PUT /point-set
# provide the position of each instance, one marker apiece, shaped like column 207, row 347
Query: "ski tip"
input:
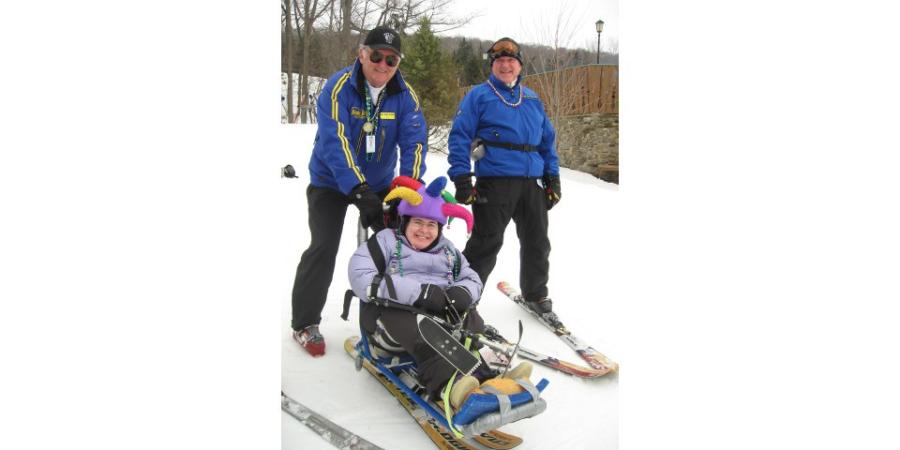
column 350, row 344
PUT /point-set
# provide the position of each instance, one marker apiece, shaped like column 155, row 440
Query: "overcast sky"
column 529, row 21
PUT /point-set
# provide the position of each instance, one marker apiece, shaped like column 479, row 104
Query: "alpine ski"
column 596, row 359
column 337, row 435
column 504, row 348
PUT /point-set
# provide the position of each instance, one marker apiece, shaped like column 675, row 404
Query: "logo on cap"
column 389, row 38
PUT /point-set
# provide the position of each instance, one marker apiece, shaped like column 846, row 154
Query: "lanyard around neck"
column 372, row 113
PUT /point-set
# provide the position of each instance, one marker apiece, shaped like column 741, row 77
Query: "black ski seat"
column 385, row 350
column 392, row 361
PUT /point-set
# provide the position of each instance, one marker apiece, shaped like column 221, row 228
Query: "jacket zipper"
column 359, row 142
column 380, row 147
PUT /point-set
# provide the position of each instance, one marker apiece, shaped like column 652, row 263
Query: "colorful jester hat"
column 431, row 202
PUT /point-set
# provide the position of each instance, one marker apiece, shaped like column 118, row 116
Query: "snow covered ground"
column 580, row 414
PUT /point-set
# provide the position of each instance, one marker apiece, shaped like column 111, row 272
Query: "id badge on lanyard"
column 370, row 146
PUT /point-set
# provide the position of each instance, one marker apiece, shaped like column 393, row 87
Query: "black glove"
column 459, row 298
column 369, row 205
column 432, row 299
column 465, row 193
column 553, row 190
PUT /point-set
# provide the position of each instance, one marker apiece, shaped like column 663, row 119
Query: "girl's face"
column 421, row 232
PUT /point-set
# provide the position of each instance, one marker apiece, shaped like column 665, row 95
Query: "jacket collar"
column 501, row 85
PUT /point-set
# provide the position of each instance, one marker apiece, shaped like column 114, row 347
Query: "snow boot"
column 523, row 370
column 311, row 340
column 461, row 389
column 469, row 384
column 500, row 386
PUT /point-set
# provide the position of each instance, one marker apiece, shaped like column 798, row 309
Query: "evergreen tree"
column 468, row 65
column 432, row 76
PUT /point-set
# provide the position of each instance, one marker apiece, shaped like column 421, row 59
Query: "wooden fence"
column 575, row 91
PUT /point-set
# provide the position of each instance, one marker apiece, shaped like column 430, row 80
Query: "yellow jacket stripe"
column 345, row 146
column 417, row 162
column 414, row 96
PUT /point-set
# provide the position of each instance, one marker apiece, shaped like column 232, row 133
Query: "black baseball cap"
column 383, row 37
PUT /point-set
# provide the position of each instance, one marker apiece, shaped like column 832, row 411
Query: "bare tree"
column 609, row 51
column 346, row 44
column 612, row 46
column 403, row 15
column 555, row 84
column 308, row 13
column 289, row 49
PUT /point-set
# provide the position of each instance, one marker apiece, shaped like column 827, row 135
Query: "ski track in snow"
column 583, row 260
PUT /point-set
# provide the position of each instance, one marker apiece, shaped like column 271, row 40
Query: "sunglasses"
column 391, row 60
column 503, row 48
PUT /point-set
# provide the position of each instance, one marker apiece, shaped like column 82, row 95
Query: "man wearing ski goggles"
column 501, row 125
column 505, row 47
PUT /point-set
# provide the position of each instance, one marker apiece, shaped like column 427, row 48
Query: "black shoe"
column 491, row 332
column 541, row 306
column 544, row 308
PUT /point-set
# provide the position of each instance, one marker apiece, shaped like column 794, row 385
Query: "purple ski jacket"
column 413, row 269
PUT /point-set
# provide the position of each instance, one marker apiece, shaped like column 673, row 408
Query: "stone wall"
column 590, row 143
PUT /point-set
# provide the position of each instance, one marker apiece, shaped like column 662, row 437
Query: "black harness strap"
column 372, row 293
column 378, row 258
column 348, row 297
column 507, row 145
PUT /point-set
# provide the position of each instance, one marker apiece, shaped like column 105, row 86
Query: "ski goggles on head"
column 504, row 47
column 376, row 57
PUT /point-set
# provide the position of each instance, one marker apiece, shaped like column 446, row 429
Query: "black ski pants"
column 326, row 211
column 434, row 371
column 525, row 202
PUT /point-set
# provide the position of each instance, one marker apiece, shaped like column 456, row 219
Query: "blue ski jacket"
column 339, row 154
column 482, row 114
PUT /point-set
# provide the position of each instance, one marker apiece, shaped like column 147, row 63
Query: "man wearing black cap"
column 369, row 119
column 503, row 127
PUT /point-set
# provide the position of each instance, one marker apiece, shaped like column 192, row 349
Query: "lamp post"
column 599, row 30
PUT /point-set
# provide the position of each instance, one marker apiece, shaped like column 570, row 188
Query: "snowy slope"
column 583, row 237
